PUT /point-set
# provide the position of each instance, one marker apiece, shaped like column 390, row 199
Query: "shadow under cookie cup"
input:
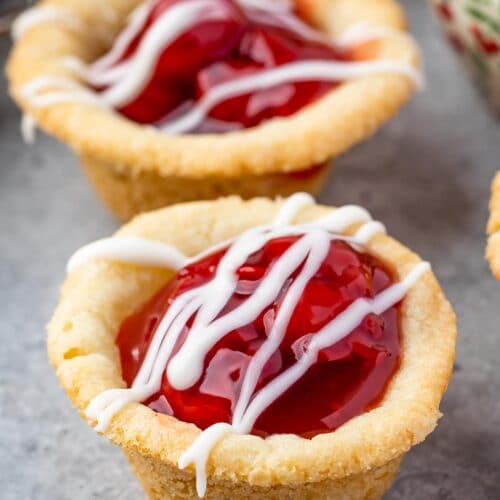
column 358, row 460
column 136, row 168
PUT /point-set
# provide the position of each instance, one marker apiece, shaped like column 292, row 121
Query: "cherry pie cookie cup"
column 285, row 144
column 493, row 251
column 358, row 459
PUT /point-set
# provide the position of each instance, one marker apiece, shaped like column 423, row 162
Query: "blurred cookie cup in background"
column 176, row 100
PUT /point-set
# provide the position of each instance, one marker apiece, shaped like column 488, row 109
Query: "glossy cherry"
column 348, row 379
column 263, row 48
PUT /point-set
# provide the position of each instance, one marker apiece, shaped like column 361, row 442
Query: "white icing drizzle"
column 199, row 452
column 28, row 128
column 293, row 23
column 294, row 205
column 68, row 91
column 206, row 303
column 274, row 6
column 126, row 80
column 99, row 72
column 368, row 231
column 41, row 15
column 363, row 32
column 129, row 249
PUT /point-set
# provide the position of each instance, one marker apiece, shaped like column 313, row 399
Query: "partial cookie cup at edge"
column 108, row 142
column 360, row 458
column 493, row 250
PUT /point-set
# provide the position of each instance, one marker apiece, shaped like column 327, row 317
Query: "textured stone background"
column 426, row 174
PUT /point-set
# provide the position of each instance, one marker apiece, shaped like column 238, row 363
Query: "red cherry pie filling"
column 229, row 41
column 348, row 378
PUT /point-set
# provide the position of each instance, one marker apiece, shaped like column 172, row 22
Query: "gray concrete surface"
column 426, row 174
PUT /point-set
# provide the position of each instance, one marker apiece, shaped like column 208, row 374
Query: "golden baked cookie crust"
column 100, row 294
column 127, row 194
column 493, row 251
column 321, row 130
